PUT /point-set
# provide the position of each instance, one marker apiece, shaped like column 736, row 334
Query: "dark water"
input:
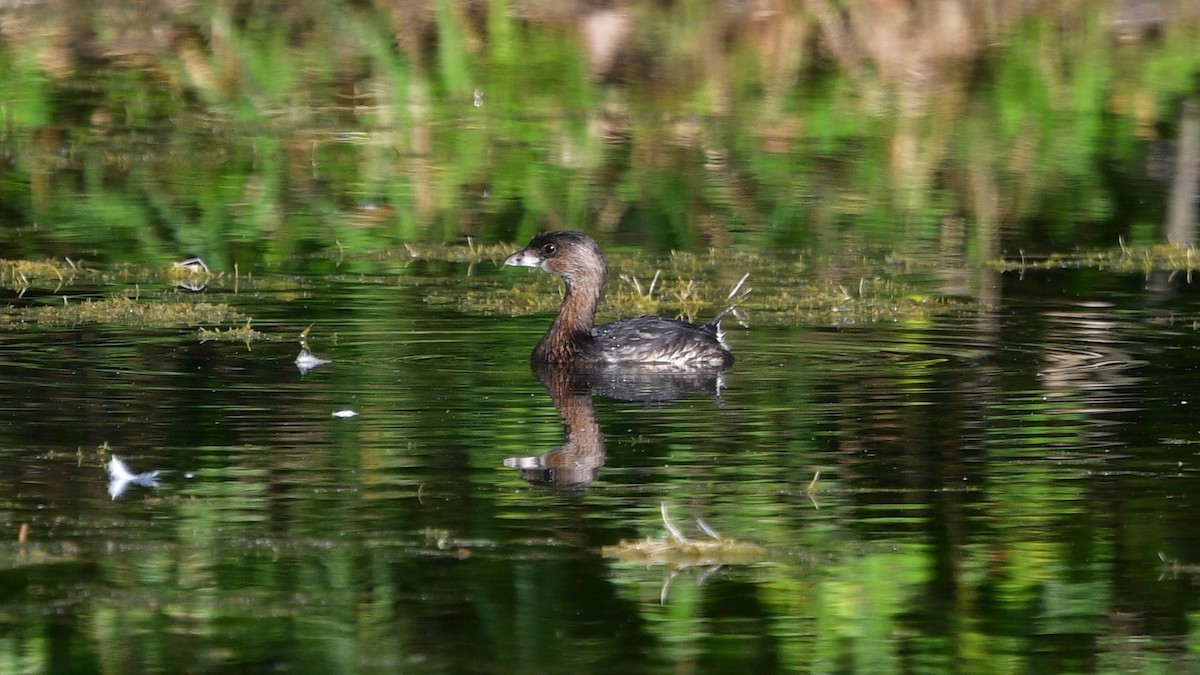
column 997, row 492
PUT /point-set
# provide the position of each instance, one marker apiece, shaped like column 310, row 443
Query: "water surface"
column 993, row 489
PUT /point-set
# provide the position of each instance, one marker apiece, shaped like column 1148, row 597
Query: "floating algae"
column 801, row 302
column 682, row 298
column 20, row 275
column 120, row 310
column 471, row 253
column 867, row 287
column 679, row 551
column 243, row 333
column 1124, row 259
column 191, row 274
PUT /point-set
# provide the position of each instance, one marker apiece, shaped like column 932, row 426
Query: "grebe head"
column 574, row 256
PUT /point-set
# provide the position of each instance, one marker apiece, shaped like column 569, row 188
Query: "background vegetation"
column 243, row 130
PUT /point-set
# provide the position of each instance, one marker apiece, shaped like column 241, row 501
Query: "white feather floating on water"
column 306, row 361
column 121, row 477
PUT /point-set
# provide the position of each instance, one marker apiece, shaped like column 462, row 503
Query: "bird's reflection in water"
column 576, row 463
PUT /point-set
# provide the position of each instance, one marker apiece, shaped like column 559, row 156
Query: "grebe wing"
column 658, row 340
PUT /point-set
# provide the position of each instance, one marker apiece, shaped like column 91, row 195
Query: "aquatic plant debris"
column 1173, row 567
column 471, row 253
column 21, row 275
column 191, row 274
column 809, row 302
column 243, row 333
column 1123, row 259
column 869, row 287
column 119, row 310
column 677, row 551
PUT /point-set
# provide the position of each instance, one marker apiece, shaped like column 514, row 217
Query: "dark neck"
column 571, row 330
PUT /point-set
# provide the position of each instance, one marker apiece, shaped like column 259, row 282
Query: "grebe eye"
column 550, row 249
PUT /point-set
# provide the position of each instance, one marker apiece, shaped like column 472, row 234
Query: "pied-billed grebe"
column 573, row 339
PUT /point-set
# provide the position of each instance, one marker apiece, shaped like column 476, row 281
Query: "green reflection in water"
column 252, row 135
